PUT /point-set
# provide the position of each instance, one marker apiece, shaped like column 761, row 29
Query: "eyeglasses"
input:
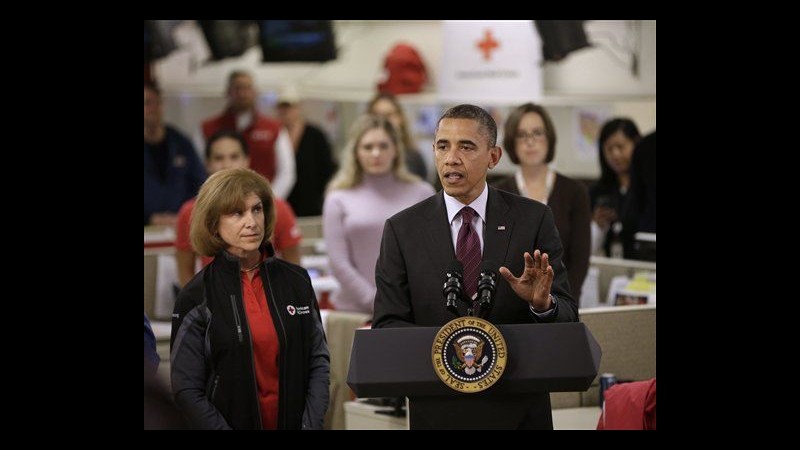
column 537, row 135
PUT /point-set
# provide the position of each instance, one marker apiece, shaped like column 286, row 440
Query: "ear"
column 494, row 156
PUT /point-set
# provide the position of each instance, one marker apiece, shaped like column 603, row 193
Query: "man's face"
column 288, row 113
column 242, row 94
column 463, row 156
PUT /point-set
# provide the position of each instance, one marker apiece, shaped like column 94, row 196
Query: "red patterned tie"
column 468, row 251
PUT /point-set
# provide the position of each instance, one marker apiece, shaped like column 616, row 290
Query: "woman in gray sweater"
column 371, row 185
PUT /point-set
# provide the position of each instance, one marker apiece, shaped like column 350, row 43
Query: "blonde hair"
column 351, row 173
column 223, row 193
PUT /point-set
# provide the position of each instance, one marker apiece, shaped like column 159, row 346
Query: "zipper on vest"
column 214, row 389
column 236, row 318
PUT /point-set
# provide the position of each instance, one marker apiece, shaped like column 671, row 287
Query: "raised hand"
column 534, row 284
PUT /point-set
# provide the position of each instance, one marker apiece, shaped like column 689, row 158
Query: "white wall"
column 605, row 68
column 336, row 91
column 362, row 46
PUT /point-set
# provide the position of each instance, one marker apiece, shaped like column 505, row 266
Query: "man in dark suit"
column 420, row 243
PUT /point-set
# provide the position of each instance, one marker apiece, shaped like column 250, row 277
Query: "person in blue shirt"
column 151, row 358
column 173, row 171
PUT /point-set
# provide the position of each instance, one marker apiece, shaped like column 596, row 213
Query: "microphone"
column 452, row 285
column 487, row 286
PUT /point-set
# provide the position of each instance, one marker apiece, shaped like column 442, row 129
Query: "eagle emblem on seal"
column 468, row 350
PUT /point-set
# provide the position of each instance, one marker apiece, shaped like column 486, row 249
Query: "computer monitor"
column 645, row 246
column 297, row 40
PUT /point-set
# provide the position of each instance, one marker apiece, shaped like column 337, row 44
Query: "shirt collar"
column 479, row 204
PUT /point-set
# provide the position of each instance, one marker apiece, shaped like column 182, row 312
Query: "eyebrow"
column 463, row 141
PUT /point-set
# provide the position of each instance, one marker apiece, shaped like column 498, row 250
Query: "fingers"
column 529, row 260
column 508, row 275
column 539, row 260
column 540, row 263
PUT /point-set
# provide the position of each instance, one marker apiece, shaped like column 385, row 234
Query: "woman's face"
column 531, row 140
column 618, row 150
column 226, row 153
column 376, row 152
column 243, row 230
column 386, row 109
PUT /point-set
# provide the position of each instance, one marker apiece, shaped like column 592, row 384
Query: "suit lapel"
column 499, row 225
column 438, row 239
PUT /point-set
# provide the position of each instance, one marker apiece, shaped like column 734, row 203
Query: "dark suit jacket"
column 417, row 249
column 569, row 202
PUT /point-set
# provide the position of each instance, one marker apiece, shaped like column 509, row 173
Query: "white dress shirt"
column 478, row 223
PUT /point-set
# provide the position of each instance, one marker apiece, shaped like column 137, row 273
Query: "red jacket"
column 260, row 136
column 629, row 406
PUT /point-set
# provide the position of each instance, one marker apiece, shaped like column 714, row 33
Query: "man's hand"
column 534, row 284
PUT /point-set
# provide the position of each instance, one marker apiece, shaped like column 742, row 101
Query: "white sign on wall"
column 490, row 61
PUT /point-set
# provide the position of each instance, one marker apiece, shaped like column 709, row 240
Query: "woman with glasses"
column 530, row 140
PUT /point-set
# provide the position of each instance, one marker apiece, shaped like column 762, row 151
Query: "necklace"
column 255, row 266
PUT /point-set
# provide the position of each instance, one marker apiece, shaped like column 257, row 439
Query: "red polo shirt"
column 266, row 348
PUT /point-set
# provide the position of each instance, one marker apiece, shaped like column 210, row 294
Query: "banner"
column 491, row 61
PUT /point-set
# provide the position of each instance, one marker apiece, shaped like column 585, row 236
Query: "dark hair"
column 607, row 175
column 487, row 124
column 226, row 134
column 404, row 134
column 236, row 74
column 153, row 87
column 510, row 134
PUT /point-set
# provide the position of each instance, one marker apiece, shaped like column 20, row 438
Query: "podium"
column 542, row 358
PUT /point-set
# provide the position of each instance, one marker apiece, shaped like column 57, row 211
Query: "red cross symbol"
column 487, row 45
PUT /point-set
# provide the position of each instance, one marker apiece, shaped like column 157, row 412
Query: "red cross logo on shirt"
column 487, row 45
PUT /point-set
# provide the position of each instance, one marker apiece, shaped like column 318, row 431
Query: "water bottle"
column 606, row 381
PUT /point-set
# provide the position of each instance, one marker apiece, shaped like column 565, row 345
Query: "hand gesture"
column 534, row 284
column 604, row 216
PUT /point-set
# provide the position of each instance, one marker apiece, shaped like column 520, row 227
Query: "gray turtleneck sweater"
column 352, row 223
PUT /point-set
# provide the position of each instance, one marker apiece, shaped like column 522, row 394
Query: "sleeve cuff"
column 549, row 312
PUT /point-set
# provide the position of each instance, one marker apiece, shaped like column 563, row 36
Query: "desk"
column 361, row 416
column 160, row 271
column 608, row 268
column 325, row 284
column 162, row 330
column 576, row 418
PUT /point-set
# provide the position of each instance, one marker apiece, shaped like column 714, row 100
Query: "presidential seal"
column 469, row 354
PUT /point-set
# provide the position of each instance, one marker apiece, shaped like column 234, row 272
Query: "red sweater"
column 629, row 406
